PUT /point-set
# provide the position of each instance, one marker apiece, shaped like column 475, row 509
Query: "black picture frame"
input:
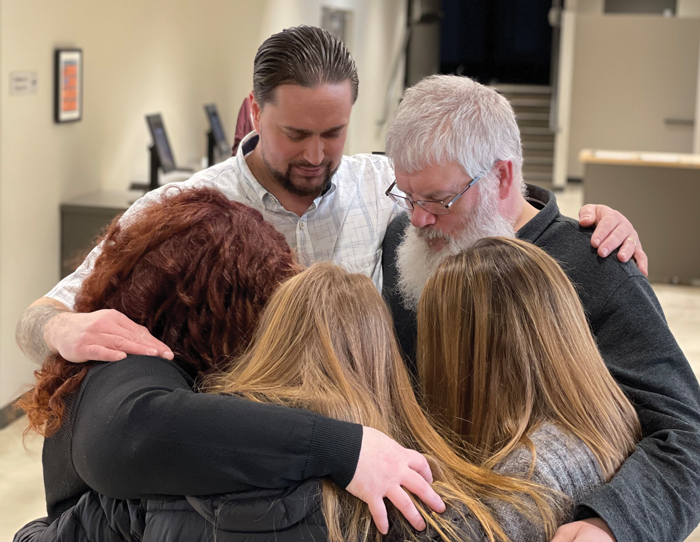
column 68, row 85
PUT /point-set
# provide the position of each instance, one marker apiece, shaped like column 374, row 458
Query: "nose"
column 313, row 151
column 421, row 218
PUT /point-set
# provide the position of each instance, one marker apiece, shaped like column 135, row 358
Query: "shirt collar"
column 546, row 203
column 247, row 145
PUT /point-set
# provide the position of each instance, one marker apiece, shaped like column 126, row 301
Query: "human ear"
column 504, row 170
column 255, row 111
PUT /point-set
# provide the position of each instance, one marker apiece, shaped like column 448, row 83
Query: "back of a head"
column 194, row 268
column 325, row 343
column 302, row 55
column 504, row 345
column 448, row 118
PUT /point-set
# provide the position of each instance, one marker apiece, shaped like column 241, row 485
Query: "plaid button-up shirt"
column 345, row 225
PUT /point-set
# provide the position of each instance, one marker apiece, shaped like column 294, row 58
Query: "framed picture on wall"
column 68, row 92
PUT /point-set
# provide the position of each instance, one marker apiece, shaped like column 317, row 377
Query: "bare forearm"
column 30, row 328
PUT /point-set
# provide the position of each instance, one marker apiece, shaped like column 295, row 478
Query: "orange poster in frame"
column 68, row 93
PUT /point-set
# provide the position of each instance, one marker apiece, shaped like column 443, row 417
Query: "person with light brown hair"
column 507, row 361
column 194, row 269
column 458, row 159
column 326, row 343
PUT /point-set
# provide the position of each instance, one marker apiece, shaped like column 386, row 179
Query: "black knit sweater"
column 136, row 430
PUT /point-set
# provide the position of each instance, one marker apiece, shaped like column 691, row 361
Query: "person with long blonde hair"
column 507, row 361
column 326, row 343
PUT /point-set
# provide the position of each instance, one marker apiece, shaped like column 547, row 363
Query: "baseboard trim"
column 9, row 414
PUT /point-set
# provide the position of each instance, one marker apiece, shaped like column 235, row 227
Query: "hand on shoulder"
column 104, row 335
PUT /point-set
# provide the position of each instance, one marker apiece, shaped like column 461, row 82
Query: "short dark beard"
column 285, row 180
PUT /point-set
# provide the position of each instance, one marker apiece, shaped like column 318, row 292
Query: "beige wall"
column 140, row 57
column 630, row 73
column 688, row 8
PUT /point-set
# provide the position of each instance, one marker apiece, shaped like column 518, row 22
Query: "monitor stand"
column 154, row 166
column 211, row 148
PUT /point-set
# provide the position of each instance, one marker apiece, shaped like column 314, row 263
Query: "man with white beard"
column 456, row 150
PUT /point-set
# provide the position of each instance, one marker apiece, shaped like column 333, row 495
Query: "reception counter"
column 84, row 219
column 660, row 194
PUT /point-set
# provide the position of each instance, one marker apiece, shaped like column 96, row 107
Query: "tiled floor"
column 21, row 487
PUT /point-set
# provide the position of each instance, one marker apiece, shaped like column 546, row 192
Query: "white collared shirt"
column 345, row 225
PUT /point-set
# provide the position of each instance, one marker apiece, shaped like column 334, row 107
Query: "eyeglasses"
column 431, row 206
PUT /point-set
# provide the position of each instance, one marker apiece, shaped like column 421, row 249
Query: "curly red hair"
column 194, row 268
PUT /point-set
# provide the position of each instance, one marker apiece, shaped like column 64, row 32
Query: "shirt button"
column 301, row 225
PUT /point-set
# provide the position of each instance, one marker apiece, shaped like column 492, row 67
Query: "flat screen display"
column 160, row 140
column 217, row 129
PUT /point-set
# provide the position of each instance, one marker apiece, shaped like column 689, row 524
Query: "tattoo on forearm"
column 30, row 332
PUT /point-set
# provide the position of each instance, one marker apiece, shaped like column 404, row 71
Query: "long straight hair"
column 504, row 346
column 326, row 343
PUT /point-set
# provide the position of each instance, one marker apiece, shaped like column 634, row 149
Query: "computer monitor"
column 163, row 151
column 216, row 138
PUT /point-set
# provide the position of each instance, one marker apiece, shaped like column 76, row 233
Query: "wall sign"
column 24, row 82
column 68, row 94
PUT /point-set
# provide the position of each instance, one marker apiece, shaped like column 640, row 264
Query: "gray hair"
column 301, row 55
column 448, row 118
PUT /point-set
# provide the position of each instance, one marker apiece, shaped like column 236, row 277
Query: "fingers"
column 404, row 504
column 97, row 352
column 605, row 221
column 632, row 248
column 117, row 344
column 613, row 230
column 104, row 335
column 138, row 339
column 378, row 511
column 587, row 215
column 614, row 239
column 640, row 258
column 383, row 469
column 416, row 484
column 419, row 463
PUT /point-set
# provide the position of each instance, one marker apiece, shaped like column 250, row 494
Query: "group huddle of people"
column 270, row 351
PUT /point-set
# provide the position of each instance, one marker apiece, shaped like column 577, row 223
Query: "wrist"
column 31, row 333
column 48, row 327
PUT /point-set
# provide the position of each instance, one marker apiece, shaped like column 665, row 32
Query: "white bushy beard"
column 416, row 261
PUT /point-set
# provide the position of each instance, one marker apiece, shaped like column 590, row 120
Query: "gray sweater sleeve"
column 563, row 463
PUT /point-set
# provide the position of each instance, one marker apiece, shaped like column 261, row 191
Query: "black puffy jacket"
column 249, row 516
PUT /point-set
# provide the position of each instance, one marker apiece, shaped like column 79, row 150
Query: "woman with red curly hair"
column 194, row 269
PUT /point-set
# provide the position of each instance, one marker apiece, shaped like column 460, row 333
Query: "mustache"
column 304, row 163
column 430, row 233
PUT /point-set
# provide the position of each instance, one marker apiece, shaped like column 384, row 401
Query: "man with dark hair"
column 328, row 206
column 466, row 184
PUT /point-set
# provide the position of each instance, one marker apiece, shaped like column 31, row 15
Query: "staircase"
column 532, row 104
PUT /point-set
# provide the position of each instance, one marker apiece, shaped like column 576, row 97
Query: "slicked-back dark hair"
column 302, row 55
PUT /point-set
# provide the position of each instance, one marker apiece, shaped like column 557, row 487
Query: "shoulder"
column 225, row 177
column 372, row 169
column 595, row 278
column 134, row 371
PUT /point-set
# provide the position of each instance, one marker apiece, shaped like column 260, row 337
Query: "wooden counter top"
column 633, row 158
